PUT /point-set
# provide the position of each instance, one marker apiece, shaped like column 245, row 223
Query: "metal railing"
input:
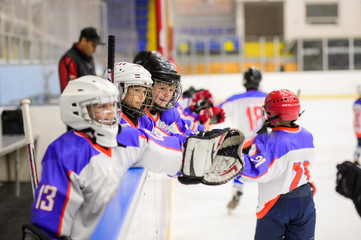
column 231, row 54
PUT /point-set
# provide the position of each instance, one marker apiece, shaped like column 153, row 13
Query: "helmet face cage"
column 136, row 98
column 101, row 111
column 166, row 94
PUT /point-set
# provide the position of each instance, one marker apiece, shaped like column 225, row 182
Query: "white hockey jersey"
column 244, row 111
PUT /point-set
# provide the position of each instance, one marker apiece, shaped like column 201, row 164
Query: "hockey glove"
column 348, row 179
column 216, row 114
column 201, row 100
column 212, row 157
column 202, row 94
column 348, row 182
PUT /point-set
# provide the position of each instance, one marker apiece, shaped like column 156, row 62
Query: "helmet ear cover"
column 281, row 105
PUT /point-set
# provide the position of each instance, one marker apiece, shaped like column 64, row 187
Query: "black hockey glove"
column 348, row 182
column 212, row 157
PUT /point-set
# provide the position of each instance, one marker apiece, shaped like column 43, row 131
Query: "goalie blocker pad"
column 212, row 157
column 348, row 182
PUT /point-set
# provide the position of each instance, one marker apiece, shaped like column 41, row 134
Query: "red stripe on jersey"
column 163, row 131
column 288, row 129
column 106, row 151
column 267, row 207
column 178, row 127
column 65, row 204
column 150, row 115
column 314, row 188
column 142, row 136
column 129, row 122
column 248, row 143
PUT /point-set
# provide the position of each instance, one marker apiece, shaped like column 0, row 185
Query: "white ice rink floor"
column 199, row 212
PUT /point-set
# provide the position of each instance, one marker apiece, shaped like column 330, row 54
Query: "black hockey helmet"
column 252, row 77
column 161, row 69
column 142, row 56
column 189, row 92
column 164, row 71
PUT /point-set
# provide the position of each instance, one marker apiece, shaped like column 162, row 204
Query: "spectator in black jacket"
column 78, row 60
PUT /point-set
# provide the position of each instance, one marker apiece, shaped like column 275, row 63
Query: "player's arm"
column 175, row 123
column 210, row 158
column 160, row 154
column 262, row 163
column 53, row 210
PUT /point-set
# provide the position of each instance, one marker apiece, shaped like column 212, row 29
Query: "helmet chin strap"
column 301, row 113
column 269, row 120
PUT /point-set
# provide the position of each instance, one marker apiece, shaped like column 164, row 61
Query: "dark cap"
column 91, row 34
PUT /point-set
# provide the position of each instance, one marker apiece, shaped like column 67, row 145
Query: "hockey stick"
column 111, row 56
column 24, row 103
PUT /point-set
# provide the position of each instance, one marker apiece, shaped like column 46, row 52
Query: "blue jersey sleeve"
column 172, row 116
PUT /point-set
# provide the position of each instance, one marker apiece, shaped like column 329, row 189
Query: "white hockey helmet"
column 127, row 75
column 84, row 93
column 131, row 74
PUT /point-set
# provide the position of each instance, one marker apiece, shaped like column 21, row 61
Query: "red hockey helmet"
column 281, row 105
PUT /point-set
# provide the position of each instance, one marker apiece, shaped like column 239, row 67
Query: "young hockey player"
column 357, row 125
column 83, row 168
column 167, row 89
column 135, row 89
column 280, row 162
column 199, row 109
column 244, row 111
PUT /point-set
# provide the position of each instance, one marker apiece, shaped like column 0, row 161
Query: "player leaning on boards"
column 83, row 168
column 280, row 162
column 167, row 89
column 134, row 83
